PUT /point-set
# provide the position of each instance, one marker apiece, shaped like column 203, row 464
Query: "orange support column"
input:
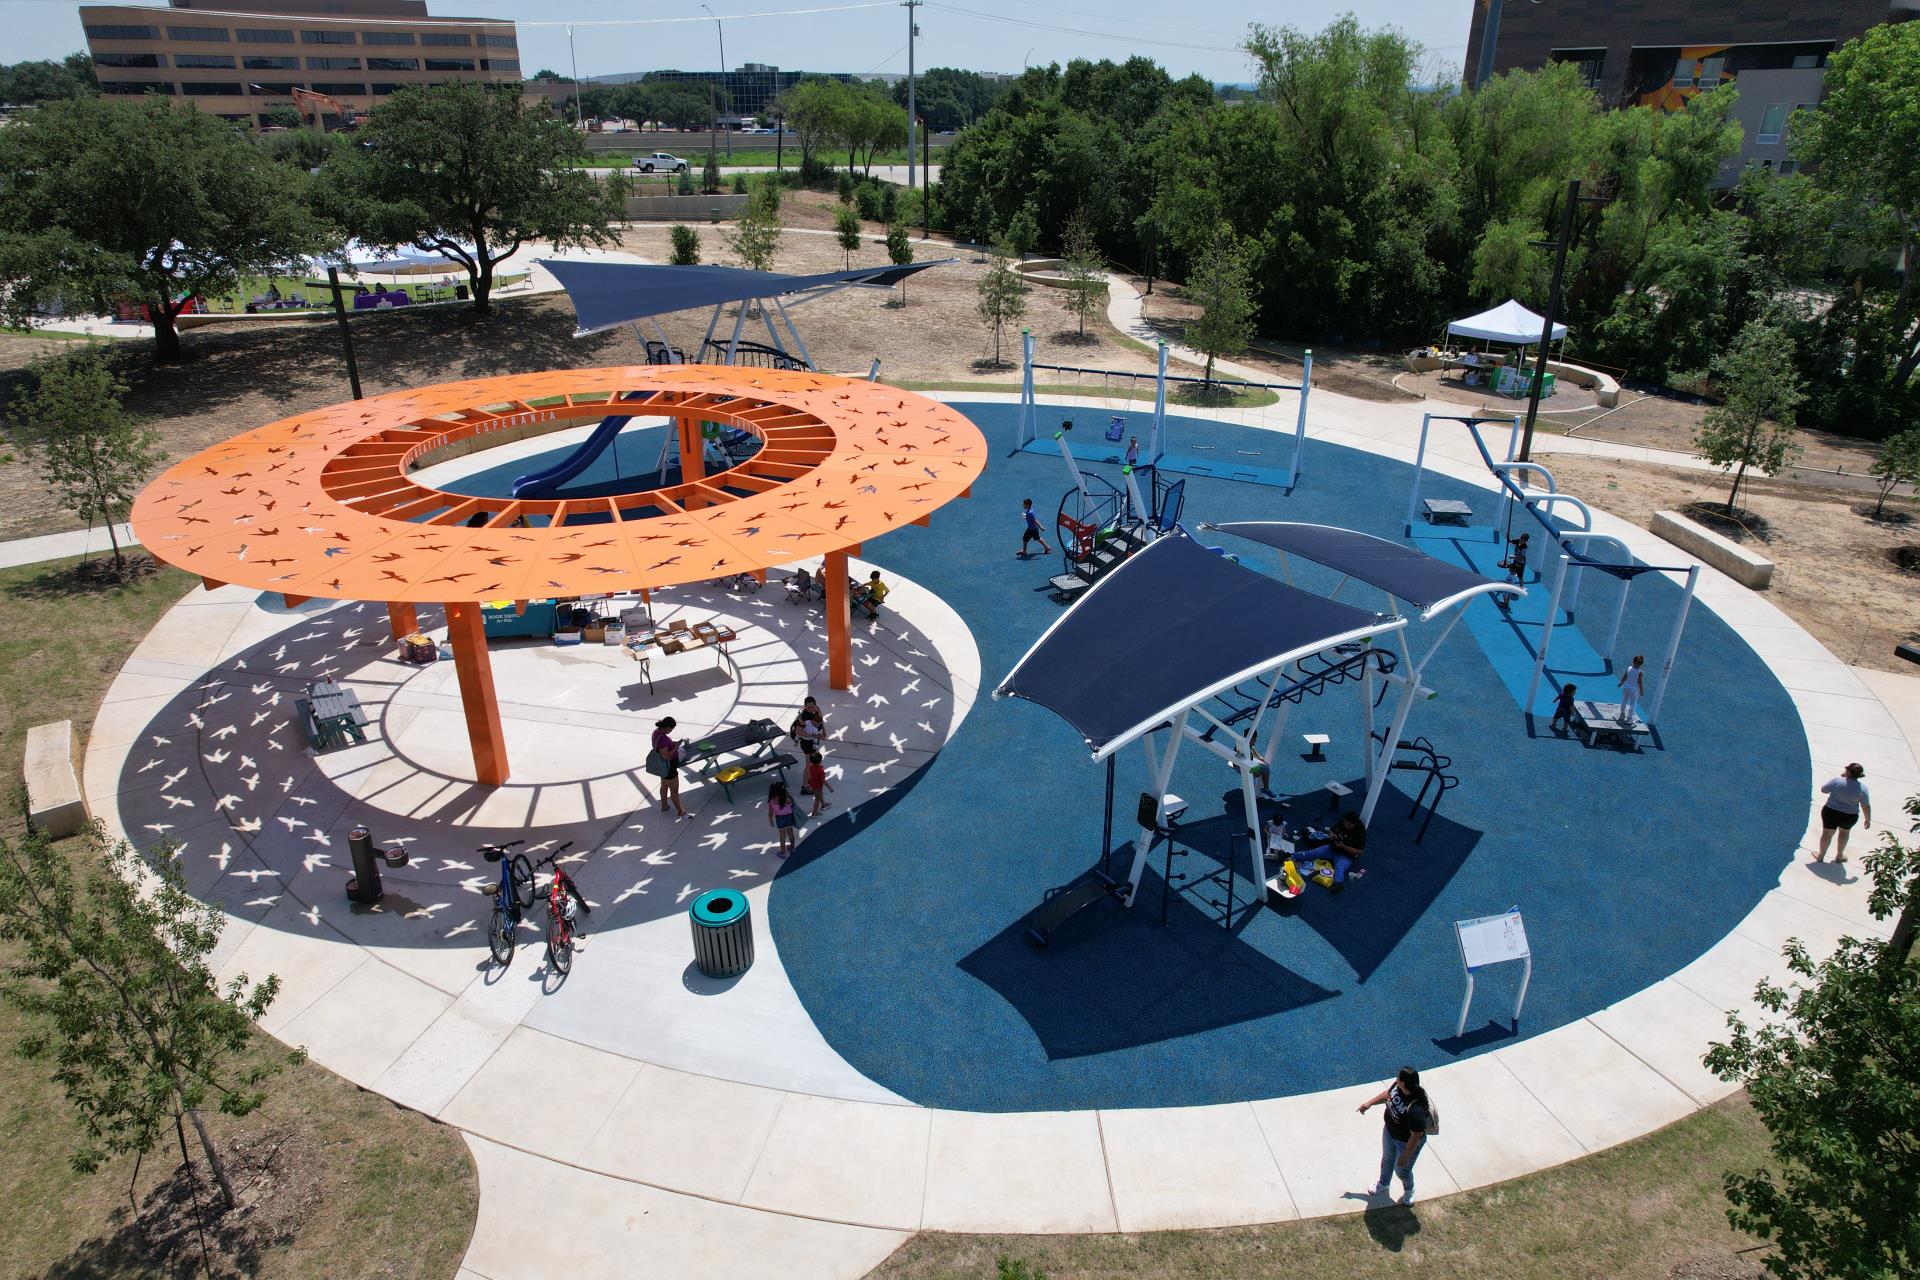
column 401, row 618
column 693, row 454
column 467, row 632
column 839, row 622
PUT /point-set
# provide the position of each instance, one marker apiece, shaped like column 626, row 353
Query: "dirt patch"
column 1736, row 525
column 1905, row 558
column 1718, row 1266
column 1833, row 572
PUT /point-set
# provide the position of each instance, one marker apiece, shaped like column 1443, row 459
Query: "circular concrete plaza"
column 899, row 1056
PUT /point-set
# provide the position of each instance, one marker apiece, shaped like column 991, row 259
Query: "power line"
column 1081, row 31
column 1132, row 22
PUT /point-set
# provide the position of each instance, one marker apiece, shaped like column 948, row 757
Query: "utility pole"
column 913, row 29
column 926, row 187
column 717, row 26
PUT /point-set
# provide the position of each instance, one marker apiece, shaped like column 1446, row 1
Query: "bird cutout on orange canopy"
column 324, row 503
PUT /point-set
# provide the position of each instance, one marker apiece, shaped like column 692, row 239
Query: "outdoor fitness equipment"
column 1574, row 547
column 1119, row 392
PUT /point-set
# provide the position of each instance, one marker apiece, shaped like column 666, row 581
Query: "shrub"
column 686, row 246
column 739, row 184
column 686, row 184
column 844, row 184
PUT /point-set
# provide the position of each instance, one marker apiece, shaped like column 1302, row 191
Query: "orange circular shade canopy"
column 321, row 504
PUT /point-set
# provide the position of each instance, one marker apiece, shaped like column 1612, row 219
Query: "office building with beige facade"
column 239, row 59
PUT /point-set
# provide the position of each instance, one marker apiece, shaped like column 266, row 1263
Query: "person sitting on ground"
column 1342, row 847
column 874, row 595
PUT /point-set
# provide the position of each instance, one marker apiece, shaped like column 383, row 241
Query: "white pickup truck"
column 660, row 161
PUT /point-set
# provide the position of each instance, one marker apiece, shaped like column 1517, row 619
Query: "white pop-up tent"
column 1508, row 322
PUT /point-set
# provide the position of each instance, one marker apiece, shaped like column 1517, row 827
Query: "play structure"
column 1124, row 400
column 1100, row 524
column 323, row 504
column 1184, row 642
column 1545, row 641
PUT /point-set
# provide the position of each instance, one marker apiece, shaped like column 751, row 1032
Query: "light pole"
column 721, row 29
column 1537, row 384
column 579, row 119
column 913, row 29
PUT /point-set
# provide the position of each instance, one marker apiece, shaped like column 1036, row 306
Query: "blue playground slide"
column 546, row 484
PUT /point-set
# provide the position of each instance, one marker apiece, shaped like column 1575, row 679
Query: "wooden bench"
column 56, row 804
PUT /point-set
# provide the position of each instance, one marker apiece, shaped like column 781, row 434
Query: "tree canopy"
column 43, row 80
column 148, row 202
column 949, row 98
column 469, row 171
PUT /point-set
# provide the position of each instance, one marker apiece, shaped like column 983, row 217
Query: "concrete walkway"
column 820, row 1173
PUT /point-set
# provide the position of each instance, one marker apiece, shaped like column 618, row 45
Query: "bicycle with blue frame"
column 512, row 898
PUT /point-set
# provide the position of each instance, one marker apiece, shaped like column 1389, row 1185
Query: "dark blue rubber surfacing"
column 901, row 925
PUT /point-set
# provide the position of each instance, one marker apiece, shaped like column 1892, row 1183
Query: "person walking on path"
column 1633, row 682
column 780, row 815
column 817, row 783
column 1563, row 710
column 1847, row 801
column 1408, row 1117
column 1031, row 533
column 668, row 750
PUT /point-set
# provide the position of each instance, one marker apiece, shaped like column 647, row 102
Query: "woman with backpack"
column 663, row 762
column 1410, row 1117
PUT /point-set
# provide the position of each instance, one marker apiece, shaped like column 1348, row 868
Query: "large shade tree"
column 105, row 201
column 470, row 171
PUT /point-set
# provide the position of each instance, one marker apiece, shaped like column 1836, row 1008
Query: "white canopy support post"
column 712, row 324
column 1141, row 513
column 1157, row 434
column 779, row 344
column 1073, row 469
column 1162, row 776
column 733, row 343
column 1546, row 633
column 674, row 355
column 1300, row 423
column 1256, row 863
column 1028, row 429
column 1419, row 468
column 797, row 340
column 1673, row 645
column 1377, row 777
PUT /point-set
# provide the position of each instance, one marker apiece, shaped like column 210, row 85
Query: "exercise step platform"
column 1069, row 902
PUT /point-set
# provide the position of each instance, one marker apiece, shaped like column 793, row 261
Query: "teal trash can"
column 722, row 933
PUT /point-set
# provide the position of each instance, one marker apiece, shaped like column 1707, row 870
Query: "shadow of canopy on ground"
column 1116, row 978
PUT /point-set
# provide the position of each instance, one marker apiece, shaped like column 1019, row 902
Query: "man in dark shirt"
column 1342, row 847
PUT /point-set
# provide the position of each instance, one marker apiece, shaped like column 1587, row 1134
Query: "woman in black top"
column 1409, row 1116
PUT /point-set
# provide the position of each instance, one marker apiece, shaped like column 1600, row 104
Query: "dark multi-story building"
column 1659, row 53
column 239, row 59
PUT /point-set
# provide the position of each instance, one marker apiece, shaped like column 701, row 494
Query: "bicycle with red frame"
column 565, row 904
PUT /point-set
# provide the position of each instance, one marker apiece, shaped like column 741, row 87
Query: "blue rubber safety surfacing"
column 901, row 922
column 901, row 926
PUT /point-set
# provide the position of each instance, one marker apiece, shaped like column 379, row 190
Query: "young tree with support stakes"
column 847, row 230
column 112, row 969
column 1003, row 294
column 107, row 201
column 900, row 253
column 93, row 456
column 710, row 173
column 686, row 246
column 1831, row 1073
column 1220, row 287
column 1897, row 463
column 470, row 171
column 1086, row 271
column 1752, row 426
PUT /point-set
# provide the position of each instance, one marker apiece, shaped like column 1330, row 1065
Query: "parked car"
column 660, row 161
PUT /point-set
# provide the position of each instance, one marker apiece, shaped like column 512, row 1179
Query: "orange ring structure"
column 322, row 503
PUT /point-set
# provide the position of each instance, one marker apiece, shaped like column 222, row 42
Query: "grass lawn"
column 334, row 1181
column 424, row 287
column 1651, row 1208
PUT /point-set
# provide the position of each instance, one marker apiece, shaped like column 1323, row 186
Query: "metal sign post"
column 1489, row 940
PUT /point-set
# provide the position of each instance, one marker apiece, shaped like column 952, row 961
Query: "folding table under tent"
column 1158, row 637
column 1406, row 574
column 606, row 295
